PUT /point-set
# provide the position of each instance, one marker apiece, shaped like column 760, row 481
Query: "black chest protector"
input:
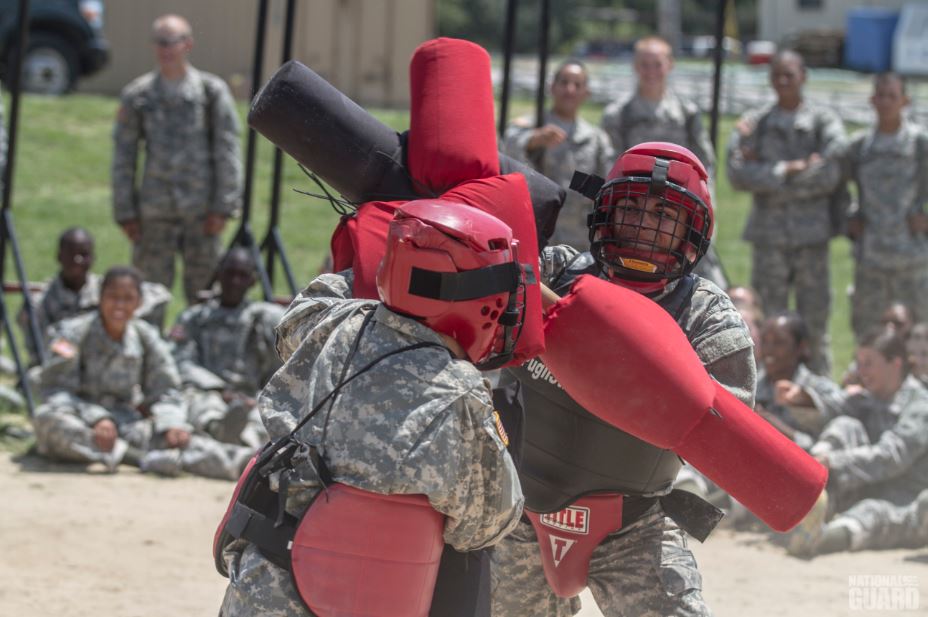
column 566, row 451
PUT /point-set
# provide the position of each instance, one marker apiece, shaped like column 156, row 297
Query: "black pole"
column 244, row 236
column 272, row 242
column 717, row 76
column 543, row 27
column 508, row 44
column 257, row 62
column 8, row 231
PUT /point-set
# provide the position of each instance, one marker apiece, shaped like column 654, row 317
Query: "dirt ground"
column 78, row 543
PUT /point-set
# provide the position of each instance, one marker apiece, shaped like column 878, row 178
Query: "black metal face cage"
column 510, row 320
column 625, row 241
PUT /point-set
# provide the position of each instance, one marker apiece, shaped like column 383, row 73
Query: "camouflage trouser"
column 844, row 433
column 643, row 570
column 877, row 288
column 63, row 436
column 154, row 253
column 257, row 586
column 874, row 524
column 775, row 270
column 231, row 422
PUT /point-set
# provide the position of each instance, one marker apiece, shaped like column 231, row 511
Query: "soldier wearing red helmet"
column 412, row 416
column 650, row 225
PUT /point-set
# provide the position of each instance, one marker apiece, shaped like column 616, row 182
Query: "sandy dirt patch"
column 128, row 545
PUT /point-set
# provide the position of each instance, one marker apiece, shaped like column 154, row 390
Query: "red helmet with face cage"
column 652, row 220
column 456, row 269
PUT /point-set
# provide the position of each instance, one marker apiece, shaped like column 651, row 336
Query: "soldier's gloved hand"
column 176, row 438
column 214, row 224
column 855, row 227
column 104, row 435
column 546, row 137
column 132, row 229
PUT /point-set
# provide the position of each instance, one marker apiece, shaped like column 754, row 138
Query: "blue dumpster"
column 868, row 44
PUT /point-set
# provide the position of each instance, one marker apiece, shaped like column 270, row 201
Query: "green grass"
column 62, row 179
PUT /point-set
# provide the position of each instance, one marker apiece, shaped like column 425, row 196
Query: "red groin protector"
column 452, row 132
column 567, row 538
column 623, row 358
column 362, row 554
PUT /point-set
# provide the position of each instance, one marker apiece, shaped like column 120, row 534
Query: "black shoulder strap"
column 678, row 299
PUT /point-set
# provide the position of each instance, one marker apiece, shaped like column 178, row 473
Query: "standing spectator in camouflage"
column 876, row 454
column 643, row 239
column 111, row 391
column 76, row 290
column 420, row 421
column 888, row 163
column 191, row 183
column 794, row 400
column 565, row 144
column 654, row 112
column 225, row 352
column 786, row 154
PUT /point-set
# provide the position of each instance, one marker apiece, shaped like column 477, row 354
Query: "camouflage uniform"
column 878, row 467
column 89, row 377
column 790, row 223
column 676, row 120
column 192, row 168
column 878, row 449
column 646, row 567
column 891, row 263
column 218, row 348
column 586, row 149
column 417, row 423
column 826, row 396
column 673, row 119
column 56, row 302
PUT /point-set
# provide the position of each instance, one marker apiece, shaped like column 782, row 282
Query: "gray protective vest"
column 566, row 451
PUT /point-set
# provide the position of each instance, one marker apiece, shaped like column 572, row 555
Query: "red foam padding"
column 361, row 554
column 642, row 376
column 452, row 132
column 219, row 541
column 359, row 243
column 741, row 452
column 507, row 198
column 623, row 358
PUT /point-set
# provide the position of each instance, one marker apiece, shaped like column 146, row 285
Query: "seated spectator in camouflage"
column 225, row 352
column 876, row 455
column 112, row 393
column 897, row 318
column 794, row 400
column 75, row 289
column 565, row 144
column 917, row 350
column 888, row 163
